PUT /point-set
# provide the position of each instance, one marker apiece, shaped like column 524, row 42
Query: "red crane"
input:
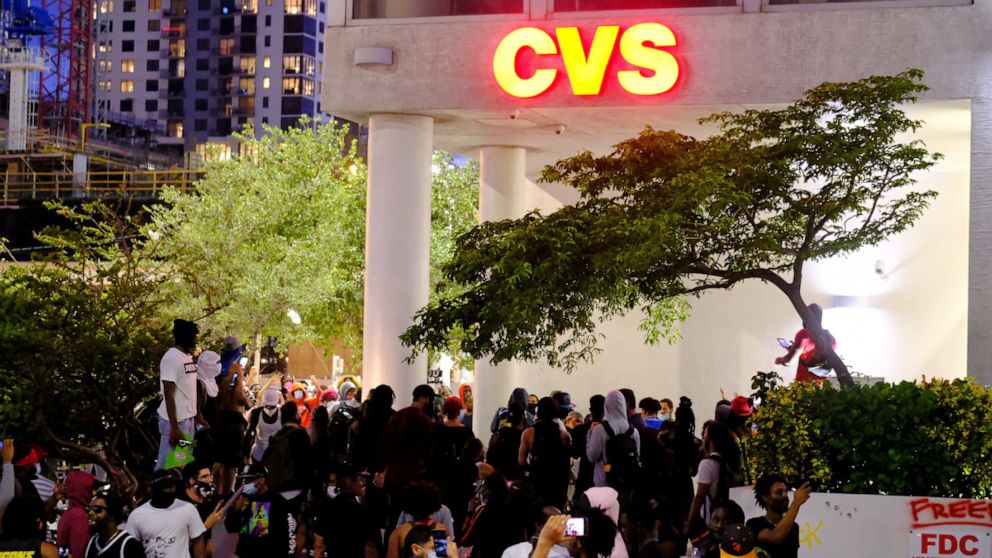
column 64, row 89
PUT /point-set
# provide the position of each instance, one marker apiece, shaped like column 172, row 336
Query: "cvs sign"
column 952, row 543
column 653, row 72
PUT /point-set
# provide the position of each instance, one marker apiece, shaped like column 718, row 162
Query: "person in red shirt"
column 808, row 355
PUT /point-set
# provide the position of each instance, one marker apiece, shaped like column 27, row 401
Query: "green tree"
column 666, row 215
column 81, row 342
column 282, row 226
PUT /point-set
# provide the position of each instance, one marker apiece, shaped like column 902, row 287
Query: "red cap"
column 452, row 405
column 740, row 407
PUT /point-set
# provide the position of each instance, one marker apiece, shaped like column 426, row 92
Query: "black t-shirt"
column 266, row 525
column 346, row 526
column 120, row 545
column 788, row 549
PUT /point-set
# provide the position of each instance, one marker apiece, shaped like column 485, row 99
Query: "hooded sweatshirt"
column 74, row 529
column 606, row 499
column 616, row 416
column 519, row 396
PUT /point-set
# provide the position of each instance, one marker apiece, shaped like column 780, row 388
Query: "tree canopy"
column 282, row 226
column 666, row 215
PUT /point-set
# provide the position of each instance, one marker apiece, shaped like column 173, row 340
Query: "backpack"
column 277, row 460
column 504, row 447
column 548, row 455
column 728, row 479
column 622, row 465
column 339, row 427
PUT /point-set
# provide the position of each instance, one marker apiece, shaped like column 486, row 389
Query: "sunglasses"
column 96, row 508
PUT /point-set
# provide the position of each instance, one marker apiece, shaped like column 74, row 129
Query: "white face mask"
column 328, row 405
column 664, row 417
column 250, row 489
column 297, row 394
column 332, row 492
column 269, row 411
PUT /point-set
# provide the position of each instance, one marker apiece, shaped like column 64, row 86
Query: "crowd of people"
column 303, row 469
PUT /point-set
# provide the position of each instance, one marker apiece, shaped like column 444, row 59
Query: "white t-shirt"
column 709, row 473
column 178, row 367
column 166, row 533
column 524, row 549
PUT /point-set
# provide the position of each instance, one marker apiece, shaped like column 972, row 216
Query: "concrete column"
column 980, row 244
column 502, row 179
column 397, row 248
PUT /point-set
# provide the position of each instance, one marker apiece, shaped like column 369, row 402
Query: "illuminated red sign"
column 654, row 70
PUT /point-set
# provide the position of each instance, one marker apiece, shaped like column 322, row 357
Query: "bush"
column 927, row 439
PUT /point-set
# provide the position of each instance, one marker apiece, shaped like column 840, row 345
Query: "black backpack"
column 729, row 477
column 339, row 427
column 622, row 464
column 548, row 455
column 504, row 447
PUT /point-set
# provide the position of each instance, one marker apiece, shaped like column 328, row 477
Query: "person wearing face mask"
column 166, row 526
column 263, row 422
column 298, row 395
column 199, row 490
column 343, row 526
column 105, row 513
column 349, row 397
column 665, row 412
column 265, row 521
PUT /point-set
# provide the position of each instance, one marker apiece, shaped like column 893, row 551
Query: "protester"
column 614, row 446
column 263, row 423
column 266, row 523
column 406, row 441
column 580, row 435
column 289, row 460
column 231, row 406
column 199, row 490
column 607, row 500
column 178, row 379
column 725, row 513
column 524, row 549
column 544, row 452
column 419, row 543
column 504, row 445
column 421, row 501
column 713, row 481
column 639, row 526
column 650, row 408
column 776, row 532
column 518, row 399
column 165, row 526
column 349, row 396
column 487, row 531
column 21, row 529
column 803, row 343
column 468, row 398
column 73, row 530
column 344, row 523
column 105, row 513
column 665, row 409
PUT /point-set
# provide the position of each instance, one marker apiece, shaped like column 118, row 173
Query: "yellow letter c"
column 505, row 62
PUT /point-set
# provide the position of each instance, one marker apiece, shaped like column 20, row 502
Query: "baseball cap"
column 270, row 397
column 253, row 470
column 740, row 406
column 453, row 404
column 737, row 542
column 231, row 343
column 166, row 476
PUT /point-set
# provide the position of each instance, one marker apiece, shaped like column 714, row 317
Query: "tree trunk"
column 122, row 480
column 823, row 345
column 256, row 357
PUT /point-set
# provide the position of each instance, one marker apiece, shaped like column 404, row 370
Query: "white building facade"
column 430, row 74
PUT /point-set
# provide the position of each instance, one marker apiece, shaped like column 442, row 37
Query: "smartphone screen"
column 441, row 543
column 785, row 343
column 575, row 527
column 243, row 361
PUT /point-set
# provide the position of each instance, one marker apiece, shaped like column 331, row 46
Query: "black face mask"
column 532, row 408
column 204, row 489
column 162, row 499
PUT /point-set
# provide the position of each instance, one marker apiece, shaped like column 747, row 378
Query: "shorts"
column 229, row 433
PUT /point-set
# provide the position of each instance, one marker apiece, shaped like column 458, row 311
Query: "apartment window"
column 129, row 6
column 200, row 125
column 265, row 102
column 265, row 120
column 203, row 45
column 266, row 62
column 107, row 7
column 105, row 66
column 203, row 24
column 227, row 46
column 320, row 48
column 204, row 5
column 175, row 128
column 246, row 86
column 151, row 66
column 249, row 6
column 106, row 46
column 105, row 86
column 127, row 46
column 154, row 25
column 128, row 26
column 202, row 64
column 151, row 105
column 265, row 82
column 323, row 7
column 320, row 28
column 308, row 87
column 200, row 104
column 291, row 86
column 127, row 86
column 202, row 85
column 127, row 66
column 247, row 64
column 268, row 41
column 154, row 5
column 127, row 105
column 227, row 26
column 153, row 45
column 177, row 48
column 293, row 7
column 268, row 20
column 151, row 85
column 291, row 64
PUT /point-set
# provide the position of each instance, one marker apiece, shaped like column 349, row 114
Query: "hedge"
column 932, row 438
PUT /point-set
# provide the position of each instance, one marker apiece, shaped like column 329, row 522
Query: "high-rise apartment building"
column 192, row 72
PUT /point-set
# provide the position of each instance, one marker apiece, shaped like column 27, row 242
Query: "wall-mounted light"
column 881, row 270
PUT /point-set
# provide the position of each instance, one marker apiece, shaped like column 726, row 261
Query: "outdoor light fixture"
column 294, row 316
